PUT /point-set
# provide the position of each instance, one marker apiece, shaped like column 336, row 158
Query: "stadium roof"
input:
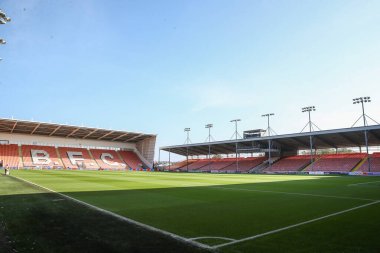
column 335, row 138
column 58, row 130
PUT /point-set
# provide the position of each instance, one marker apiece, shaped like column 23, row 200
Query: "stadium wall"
column 146, row 148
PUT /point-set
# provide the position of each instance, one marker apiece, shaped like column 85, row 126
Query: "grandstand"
column 283, row 153
column 28, row 144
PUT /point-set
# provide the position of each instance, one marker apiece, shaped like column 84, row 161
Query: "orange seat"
column 108, row 159
column 84, row 158
column 131, row 159
column 9, row 155
column 27, row 151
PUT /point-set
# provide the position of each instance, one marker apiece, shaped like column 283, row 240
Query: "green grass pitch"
column 227, row 213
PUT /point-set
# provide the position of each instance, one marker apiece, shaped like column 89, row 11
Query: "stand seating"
column 33, row 150
column 87, row 162
column 337, row 162
column 290, row 163
column 132, row 160
column 108, row 159
column 9, row 155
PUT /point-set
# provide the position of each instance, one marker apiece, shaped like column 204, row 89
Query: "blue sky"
column 160, row 66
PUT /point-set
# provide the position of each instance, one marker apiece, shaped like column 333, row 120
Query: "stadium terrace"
column 28, row 144
column 299, row 153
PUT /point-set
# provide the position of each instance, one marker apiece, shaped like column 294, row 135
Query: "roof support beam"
column 14, row 126
column 133, row 138
column 93, row 131
column 105, row 135
column 73, row 132
column 35, row 128
column 121, row 136
column 55, row 130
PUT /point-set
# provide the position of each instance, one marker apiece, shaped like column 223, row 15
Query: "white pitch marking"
column 55, row 200
column 295, row 225
column 364, row 183
column 211, row 237
column 125, row 219
column 291, row 193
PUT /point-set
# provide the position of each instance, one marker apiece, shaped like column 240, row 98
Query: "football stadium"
column 77, row 188
column 264, row 195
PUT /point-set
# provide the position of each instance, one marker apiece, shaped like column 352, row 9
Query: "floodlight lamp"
column 187, row 129
column 4, row 16
column 209, row 126
column 2, row 41
column 4, row 20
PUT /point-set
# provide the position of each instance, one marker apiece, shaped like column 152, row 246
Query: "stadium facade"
column 29, row 144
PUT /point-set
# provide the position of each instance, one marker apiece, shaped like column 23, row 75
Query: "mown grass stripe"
column 372, row 182
column 292, row 193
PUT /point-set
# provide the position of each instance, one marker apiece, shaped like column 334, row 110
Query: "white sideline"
column 293, row 226
column 364, row 183
column 291, row 193
column 211, row 237
column 122, row 218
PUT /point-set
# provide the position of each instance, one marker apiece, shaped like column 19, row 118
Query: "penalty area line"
column 122, row 218
column 294, row 225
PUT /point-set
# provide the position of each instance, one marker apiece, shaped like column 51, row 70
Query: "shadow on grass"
column 46, row 222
